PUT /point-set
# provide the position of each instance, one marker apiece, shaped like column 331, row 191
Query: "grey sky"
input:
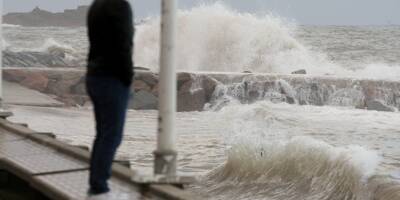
column 336, row 12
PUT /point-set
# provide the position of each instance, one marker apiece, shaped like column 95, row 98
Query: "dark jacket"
column 111, row 31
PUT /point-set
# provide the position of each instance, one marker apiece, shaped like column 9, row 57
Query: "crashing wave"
column 10, row 26
column 33, row 59
column 215, row 38
column 299, row 168
column 50, row 54
column 51, row 45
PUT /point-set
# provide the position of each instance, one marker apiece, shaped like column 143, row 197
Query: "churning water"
column 215, row 38
column 260, row 150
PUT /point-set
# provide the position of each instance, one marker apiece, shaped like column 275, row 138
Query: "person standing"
column 108, row 79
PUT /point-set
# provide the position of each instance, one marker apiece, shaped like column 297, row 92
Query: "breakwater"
column 200, row 91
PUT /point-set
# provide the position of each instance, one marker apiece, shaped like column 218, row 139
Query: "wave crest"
column 215, row 38
column 300, row 168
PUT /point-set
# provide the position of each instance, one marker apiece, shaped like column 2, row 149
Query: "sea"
column 257, row 151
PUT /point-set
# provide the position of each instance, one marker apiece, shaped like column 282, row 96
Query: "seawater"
column 216, row 38
column 260, row 150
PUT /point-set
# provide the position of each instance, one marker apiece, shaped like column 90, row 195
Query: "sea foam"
column 213, row 37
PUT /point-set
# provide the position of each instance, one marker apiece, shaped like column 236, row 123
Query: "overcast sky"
column 314, row 12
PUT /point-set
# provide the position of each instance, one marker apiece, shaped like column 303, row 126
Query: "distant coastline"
column 41, row 18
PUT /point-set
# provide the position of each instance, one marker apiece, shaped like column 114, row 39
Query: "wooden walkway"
column 60, row 171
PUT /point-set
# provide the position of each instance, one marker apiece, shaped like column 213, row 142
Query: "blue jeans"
column 110, row 100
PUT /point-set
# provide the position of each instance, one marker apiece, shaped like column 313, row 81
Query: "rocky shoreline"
column 200, row 91
column 68, row 86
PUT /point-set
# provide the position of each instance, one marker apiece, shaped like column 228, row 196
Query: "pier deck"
column 60, row 171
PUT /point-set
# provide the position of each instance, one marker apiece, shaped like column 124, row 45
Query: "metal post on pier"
column 166, row 154
column 3, row 112
column 1, row 54
column 165, row 161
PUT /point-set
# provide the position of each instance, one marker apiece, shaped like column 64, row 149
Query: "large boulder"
column 33, row 80
column 313, row 94
column 287, row 91
column 194, row 91
column 139, row 85
column 144, row 100
column 62, row 84
column 149, row 78
column 378, row 106
column 209, row 84
column 349, row 97
column 14, row 75
column 80, row 87
column 301, row 71
column 36, row 81
column 154, row 90
column 184, row 77
column 190, row 99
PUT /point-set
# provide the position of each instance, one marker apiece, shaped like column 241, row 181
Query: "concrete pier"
column 54, row 170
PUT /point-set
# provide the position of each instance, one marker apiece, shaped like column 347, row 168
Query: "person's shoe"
column 105, row 196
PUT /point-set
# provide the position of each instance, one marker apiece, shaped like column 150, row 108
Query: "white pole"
column 1, row 54
column 166, row 154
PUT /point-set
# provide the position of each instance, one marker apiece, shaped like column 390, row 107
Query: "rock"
column 247, row 72
column 144, row 100
column 35, row 81
column 14, row 75
column 191, row 100
column 149, row 78
column 312, row 94
column 301, row 71
column 183, row 78
column 154, row 91
column 63, row 84
column 378, row 106
column 349, row 97
column 79, row 99
column 139, row 85
column 209, row 85
column 141, row 68
column 253, row 96
column 290, row 100
column 59, row 88
column 80, row 87
column 57, row 52
column 32, row 80
column 287, row 90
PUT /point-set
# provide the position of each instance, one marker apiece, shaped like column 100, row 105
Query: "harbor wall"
column 200, row 91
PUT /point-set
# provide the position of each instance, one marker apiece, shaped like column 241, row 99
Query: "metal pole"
column 166, row 154
column 1, row 54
